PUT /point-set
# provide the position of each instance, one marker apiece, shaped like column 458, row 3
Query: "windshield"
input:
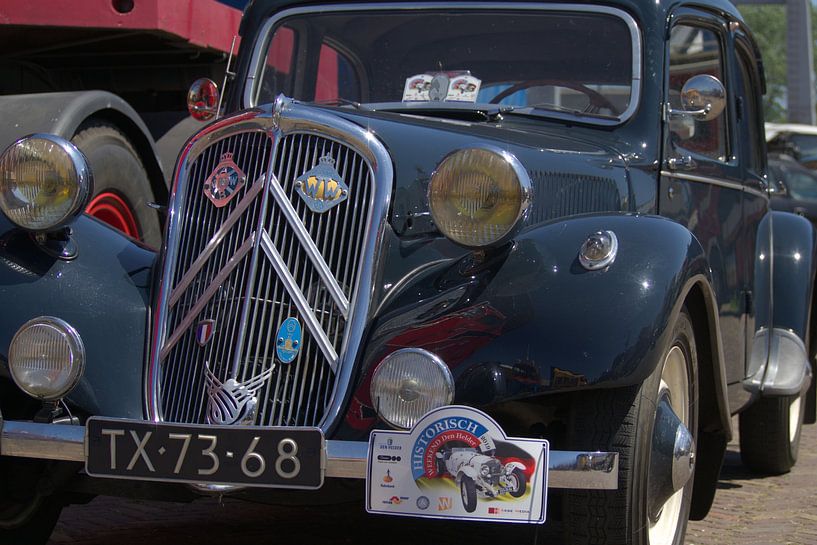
column 578, row 62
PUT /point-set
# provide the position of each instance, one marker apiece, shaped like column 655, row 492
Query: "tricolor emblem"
column 204, row 331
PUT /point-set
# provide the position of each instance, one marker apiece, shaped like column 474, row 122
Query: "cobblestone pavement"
column 748, row 510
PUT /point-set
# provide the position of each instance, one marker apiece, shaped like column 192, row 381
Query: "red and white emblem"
column 224, row 182
column 204, row 331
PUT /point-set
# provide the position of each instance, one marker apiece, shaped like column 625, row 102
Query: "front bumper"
column 344, row 459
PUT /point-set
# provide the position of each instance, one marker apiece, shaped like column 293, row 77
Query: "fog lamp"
column 409, row 383
column 46, row 358
column 44, row 182
column 478, row 195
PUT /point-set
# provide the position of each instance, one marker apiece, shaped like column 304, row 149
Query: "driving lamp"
column 46, row 358
column 478, row 195
column 44, row 182
column 409, row 383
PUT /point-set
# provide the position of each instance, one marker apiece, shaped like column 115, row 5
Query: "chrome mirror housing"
column 703, row 98
column 203, row 99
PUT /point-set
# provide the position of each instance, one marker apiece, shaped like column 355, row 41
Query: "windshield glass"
column 575, row 63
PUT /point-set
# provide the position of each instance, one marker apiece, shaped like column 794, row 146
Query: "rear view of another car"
column 794, row 187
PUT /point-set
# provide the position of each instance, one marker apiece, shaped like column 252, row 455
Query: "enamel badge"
column 322, row 188
column 224, row 182
column 288, row 342
column 204, row 331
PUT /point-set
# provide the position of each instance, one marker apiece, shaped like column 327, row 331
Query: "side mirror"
column 703, row 98
column 202, row 99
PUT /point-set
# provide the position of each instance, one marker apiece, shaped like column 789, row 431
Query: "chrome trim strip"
column 308, row 244
column 208, row 294
column 300, row 301
column 346, row 459
column 714, row 181
column 258, row 55
column 214, row 242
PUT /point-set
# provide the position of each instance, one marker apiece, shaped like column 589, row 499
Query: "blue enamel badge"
column 288, row 342
column 322, row 187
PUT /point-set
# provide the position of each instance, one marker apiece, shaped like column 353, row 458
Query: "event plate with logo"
column 242, row 455
column 457, row 463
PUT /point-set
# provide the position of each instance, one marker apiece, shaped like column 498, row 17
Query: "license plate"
column 248, row 456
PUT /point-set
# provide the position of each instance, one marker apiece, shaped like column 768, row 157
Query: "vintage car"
column 479, row 474
column 566, row 225
column 793, row 186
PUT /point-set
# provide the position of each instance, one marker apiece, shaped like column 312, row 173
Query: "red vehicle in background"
column 112, row 76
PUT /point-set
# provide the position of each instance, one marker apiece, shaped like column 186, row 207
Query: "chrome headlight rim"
column 84, row 181
column 525, row 188
column 434, row 359
column 78, row 360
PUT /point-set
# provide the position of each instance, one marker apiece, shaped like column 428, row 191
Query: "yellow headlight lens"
column 477, row 196
column 42, row 182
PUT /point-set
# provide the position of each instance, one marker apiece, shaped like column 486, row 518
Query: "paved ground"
column 748, row 510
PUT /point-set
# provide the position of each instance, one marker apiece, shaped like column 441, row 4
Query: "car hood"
column 573, row 171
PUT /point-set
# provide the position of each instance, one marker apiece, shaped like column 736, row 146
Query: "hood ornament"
column 224, row 182
column 321, row 187
column 233, row 402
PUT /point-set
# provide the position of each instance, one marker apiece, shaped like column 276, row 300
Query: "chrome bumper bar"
column 567, row 469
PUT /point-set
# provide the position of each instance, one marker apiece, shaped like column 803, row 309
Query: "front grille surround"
column 281, row 122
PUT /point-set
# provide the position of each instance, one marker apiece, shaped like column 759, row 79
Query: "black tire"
column 768, row 444
column 622, row 420
column 37, row 529
column 118, row 170
column 521, row 483
column 468, row 493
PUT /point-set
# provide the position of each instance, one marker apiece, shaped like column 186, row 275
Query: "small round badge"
column 288, row 340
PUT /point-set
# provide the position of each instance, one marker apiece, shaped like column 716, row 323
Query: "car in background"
column 794, row 187
column 796, row 140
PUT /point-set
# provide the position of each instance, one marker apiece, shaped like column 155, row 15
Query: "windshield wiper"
column 461, row 112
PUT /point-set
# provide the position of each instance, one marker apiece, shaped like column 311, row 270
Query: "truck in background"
column 112, row 77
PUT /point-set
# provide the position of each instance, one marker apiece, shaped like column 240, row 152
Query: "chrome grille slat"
column 298, row 266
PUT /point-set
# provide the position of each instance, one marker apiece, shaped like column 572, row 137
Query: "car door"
column 702, row 183
column 744, row 88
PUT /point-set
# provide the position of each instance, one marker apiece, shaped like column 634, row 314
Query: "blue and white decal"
column 288, row 340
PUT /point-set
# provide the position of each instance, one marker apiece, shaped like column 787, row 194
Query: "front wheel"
column 770, row 434
column 652, row 427
column 468, row 493
column 518, row 483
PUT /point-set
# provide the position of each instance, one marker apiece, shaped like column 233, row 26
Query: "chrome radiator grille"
column 262, row 258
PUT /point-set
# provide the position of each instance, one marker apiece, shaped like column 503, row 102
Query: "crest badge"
column 288, row 342
column 232, row 402
column 322, row 188
column 224, row 182
column 204, row 331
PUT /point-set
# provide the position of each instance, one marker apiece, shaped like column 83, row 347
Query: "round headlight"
column 44, row 182
column 409, row 383
column 478, row 195
column 46, row 358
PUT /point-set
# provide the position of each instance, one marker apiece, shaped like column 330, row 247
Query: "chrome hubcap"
column 673, row 455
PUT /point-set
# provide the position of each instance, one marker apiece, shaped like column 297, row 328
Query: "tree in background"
column 768, row 24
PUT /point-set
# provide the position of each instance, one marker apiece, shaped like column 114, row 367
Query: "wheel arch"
column 63, row 114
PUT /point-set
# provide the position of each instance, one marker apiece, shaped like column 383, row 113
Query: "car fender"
column 468, row 471
column 62, row 114
column 784, row 368
column 103, row 293
column 510, row 466
column 529, row 320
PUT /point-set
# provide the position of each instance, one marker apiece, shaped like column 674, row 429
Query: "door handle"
column 685, row 162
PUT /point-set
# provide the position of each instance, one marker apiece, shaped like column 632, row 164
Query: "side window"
column 276, row 76
column 693, row 51
column 748, row 110
column 337, row 78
